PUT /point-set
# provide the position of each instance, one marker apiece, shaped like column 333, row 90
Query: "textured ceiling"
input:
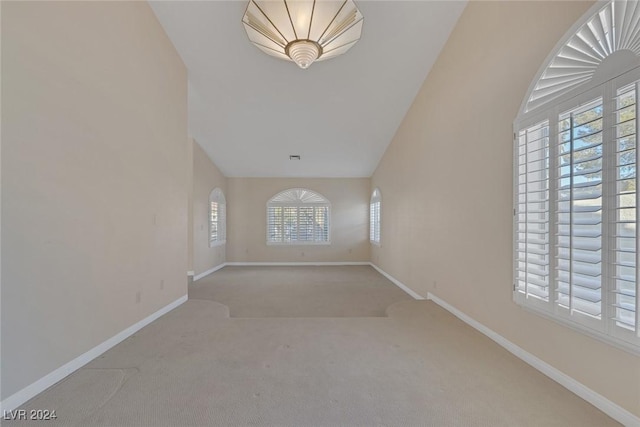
column 250, row 111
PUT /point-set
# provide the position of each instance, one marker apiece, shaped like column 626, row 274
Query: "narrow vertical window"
column 217, row 218
column 374, row 216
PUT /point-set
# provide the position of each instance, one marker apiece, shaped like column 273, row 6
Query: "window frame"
column 603, row 329
column 217, row 196
column 375, row 217
column 297, row 204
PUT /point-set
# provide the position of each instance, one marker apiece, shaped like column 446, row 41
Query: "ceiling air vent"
column 294, row 157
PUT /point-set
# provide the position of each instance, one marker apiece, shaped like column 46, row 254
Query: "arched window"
column 298, row 216
column 576, row 201
column 374, row 216
column 217, row 218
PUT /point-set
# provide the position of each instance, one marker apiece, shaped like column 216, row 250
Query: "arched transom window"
column 298, row 216
column 576, row 204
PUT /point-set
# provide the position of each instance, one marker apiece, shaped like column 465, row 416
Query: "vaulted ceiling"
column 250, row 111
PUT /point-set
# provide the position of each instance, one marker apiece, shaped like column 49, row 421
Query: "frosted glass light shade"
column 303, row 52
column 303, row 31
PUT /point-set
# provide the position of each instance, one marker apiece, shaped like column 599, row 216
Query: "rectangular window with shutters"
column 575, row 204
column 298, row 225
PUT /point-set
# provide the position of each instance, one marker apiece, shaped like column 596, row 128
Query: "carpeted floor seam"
column 126, row 377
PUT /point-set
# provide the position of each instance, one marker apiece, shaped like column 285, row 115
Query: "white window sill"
column 298, row 243
column 607, row 339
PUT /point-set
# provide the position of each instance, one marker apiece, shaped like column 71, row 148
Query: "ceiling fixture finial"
column 303, row 31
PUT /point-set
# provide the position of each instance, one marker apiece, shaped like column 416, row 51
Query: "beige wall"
column 247, row 220
column 206, row 177
column 94, row 179
column 446, row 183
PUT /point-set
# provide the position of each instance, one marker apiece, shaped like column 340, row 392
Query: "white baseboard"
column 398, row 283
column 190, row 273
column 615, row 411
column 17, row 399
column 209, row 271
column 294, row 264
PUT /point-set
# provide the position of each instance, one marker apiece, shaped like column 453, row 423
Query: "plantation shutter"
column 579, row 210
column 624, row 248
column 213, row 222
column 222, row 222
column 374, row 216
column 275, row 231
column 290, row 221
column 374, row 221
column 217, row 218
column 321, row 224
column 532, row 212
column 575, row 225
column 306, row 223
column 575, row 181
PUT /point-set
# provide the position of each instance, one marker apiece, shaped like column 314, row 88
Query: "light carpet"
column 420, row 366
column 320, row 291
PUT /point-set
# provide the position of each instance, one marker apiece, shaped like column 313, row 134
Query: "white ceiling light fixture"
column 303, row 31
